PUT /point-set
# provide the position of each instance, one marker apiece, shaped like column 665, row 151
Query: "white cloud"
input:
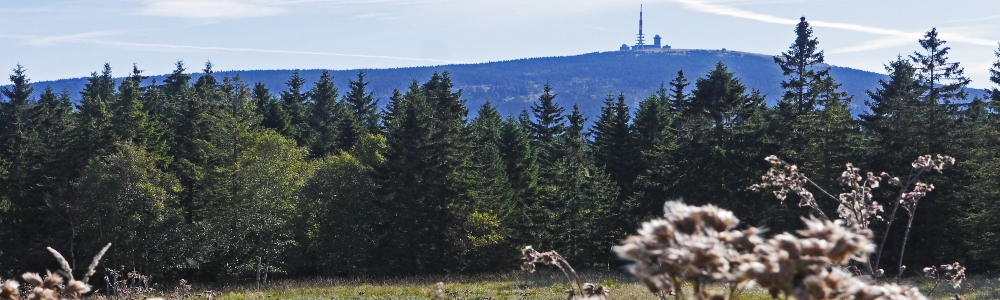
column 210, row 9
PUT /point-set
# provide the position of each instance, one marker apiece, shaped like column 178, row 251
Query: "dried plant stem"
column 934, row 287
column 892, row 216
column 816, row 207
column 574, row 279
column 902, row 250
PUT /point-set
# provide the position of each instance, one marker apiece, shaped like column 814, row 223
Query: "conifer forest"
column 220, row 180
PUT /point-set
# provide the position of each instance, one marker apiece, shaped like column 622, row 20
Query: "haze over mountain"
column 586, row 79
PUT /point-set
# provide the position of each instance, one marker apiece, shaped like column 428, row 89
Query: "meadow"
column 549, row 284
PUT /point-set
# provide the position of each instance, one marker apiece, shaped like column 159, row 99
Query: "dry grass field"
column 520, row 285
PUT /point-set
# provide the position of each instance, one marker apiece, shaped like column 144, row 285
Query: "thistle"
column 701, row 245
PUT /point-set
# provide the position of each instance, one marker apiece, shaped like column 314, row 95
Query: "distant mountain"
column 584, row 79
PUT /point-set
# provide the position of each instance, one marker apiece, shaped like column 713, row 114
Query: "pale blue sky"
column 70, row 38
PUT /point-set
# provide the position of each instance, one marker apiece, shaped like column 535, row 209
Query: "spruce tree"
column 895, row 118
column 798, row 65
column 269, row 108
column 293, row 103
column 350, row 131
column 494, row 208
column 613, row 145
column 655, row 141
column 93, row 134
column 14, row 124
column 653, row 117
column 19, row 211
column 323, row 117
column 521, row 162
column 721, row 98
column 363, row 105
column 582, row 207
column 944, row 85
column 547, row 124
column 678, row 100
column 421, row 202
column 129, row 119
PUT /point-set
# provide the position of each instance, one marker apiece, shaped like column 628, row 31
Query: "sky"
column 56, row 39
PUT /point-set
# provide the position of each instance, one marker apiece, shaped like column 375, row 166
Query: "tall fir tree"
column 422, row 207
column 799, row 66
column 93, row 136
column 129, row 119
column 269, row 108
column 294, row 104
column 19, row 210
column 323, row 117
column 363, row 104
column 548, row 123
column 613, row 143
column 678, row 99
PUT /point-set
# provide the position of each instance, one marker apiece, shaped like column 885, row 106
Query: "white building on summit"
column 640, row 41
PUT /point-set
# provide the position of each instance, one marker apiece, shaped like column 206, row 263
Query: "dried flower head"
column 594, row 291
column 787, row 179
column 954, row 273
column 9, row 291
column 32, row 279
column 52, row 281
column 909, row 199
column 700, row 244
column 76, row 288
column 927, row 163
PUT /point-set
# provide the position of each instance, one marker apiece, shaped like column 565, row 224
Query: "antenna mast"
column 640, row 38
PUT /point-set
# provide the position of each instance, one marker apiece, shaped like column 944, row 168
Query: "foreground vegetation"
column 511, row 285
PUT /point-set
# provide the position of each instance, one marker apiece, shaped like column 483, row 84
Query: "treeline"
column 209, row 179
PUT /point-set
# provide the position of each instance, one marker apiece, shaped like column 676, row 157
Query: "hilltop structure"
column 640, row 40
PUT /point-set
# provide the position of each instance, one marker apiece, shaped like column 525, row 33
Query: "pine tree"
column 350, row 130
column 323, row 118
column 363, row 105
column 421, row 201
column 19, row 211
column 655, row 141
column 293, row 103
column 269, row 108
column 944, row 85
column 582, row 202
column 547, row 124
column 722, row 99
column 613, row 145
column 799, row 64
column 678, row 100
column 494, row 208
column 93, row 133
column 14, row 125
column 129, row 120
column 522, row 167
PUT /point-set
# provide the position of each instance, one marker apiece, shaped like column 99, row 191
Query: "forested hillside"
column 216, row 177
column 584, row 79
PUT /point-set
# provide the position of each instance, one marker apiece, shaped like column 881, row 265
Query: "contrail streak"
column 232, row 49
column 703, row 6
